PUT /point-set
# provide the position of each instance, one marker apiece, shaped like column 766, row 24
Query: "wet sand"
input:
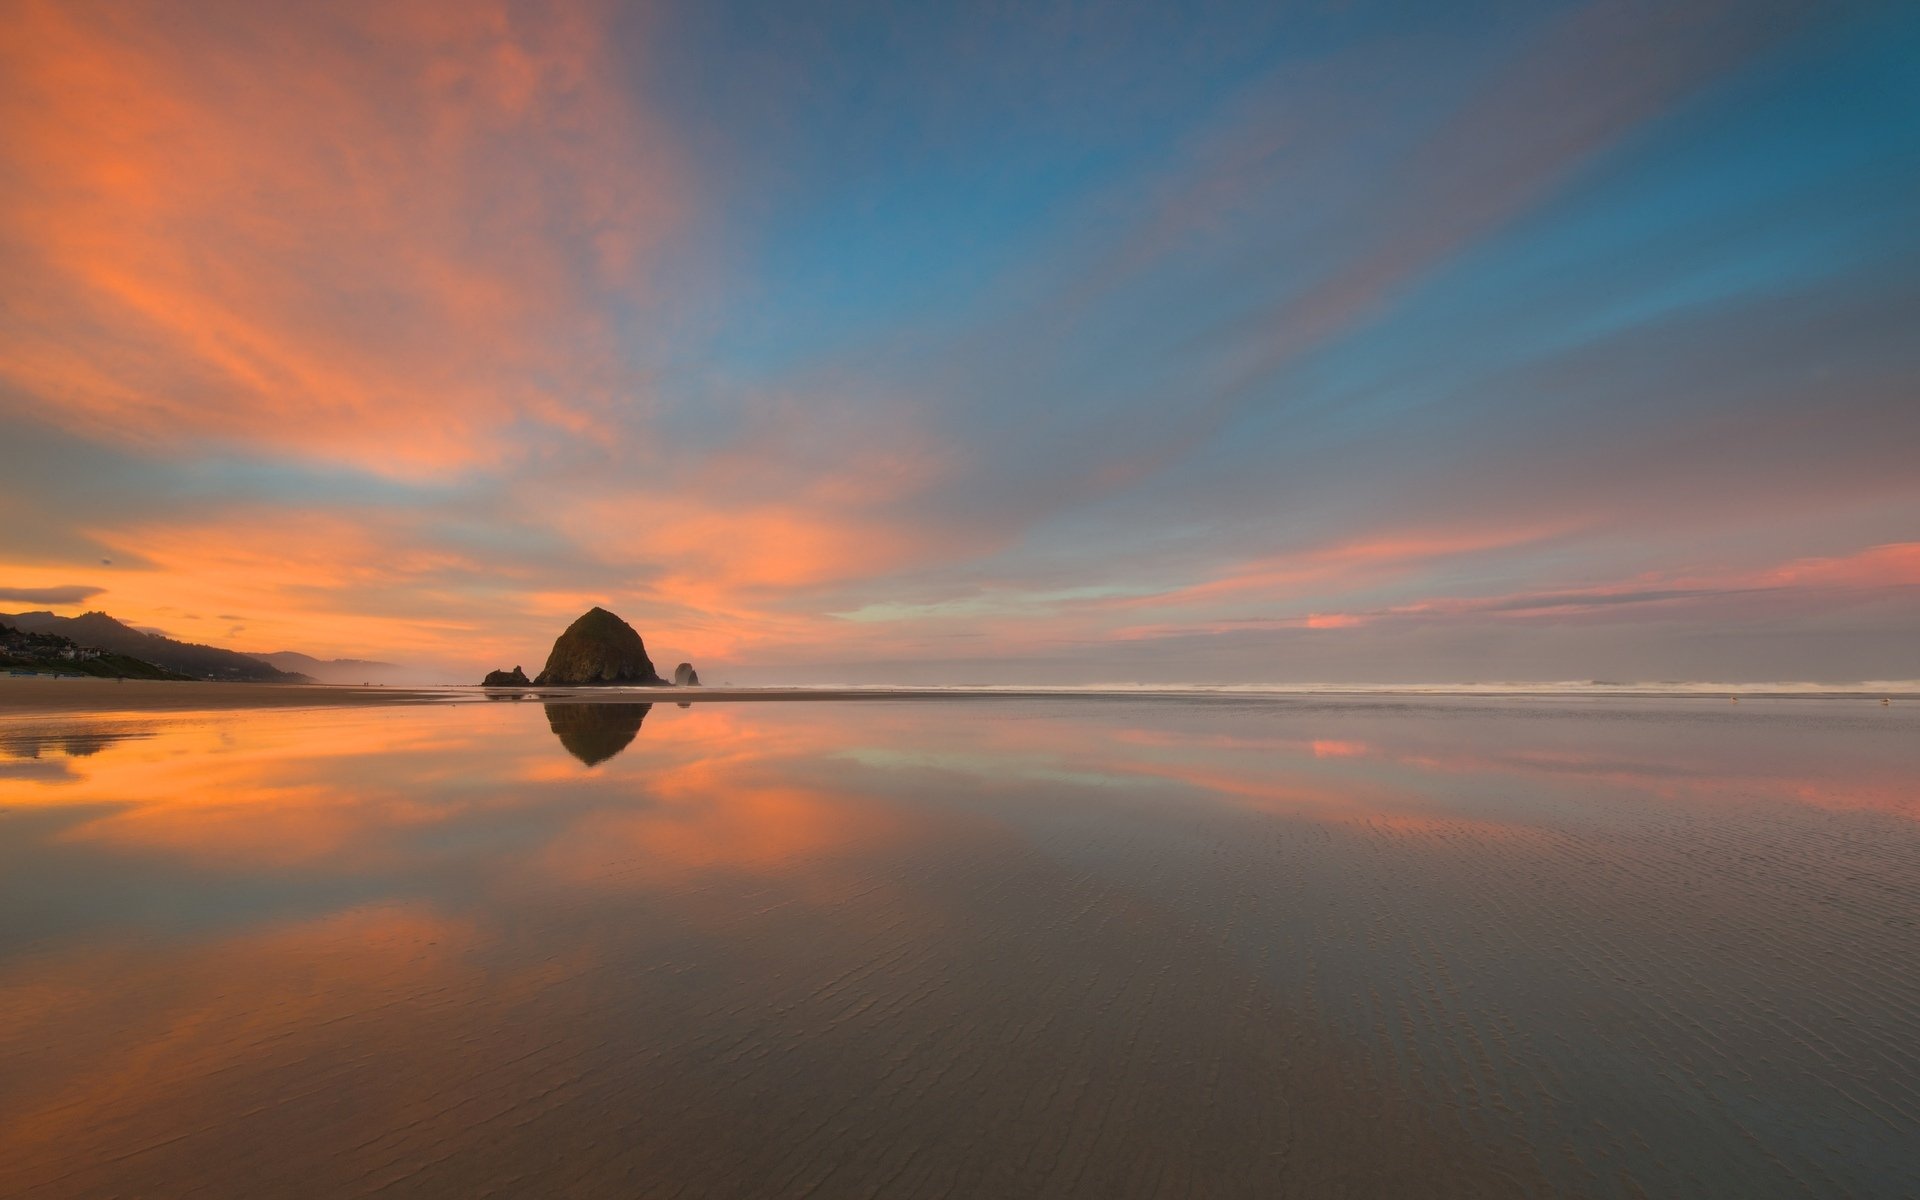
column 79, row 695
column 1009, row 948
column 85, row 694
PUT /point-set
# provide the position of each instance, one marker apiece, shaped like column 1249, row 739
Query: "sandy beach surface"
column 20, row 694
column 77, row 695
column 25, row 695
column 356, row 942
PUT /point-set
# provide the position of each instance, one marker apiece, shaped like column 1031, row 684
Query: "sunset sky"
column 976, row 342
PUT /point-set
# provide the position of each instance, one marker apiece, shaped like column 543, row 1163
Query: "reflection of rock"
column 513, row 678
column 685, row 676
column 84, row 745
column 598, row 648
column 594, row 733
column 80, row 743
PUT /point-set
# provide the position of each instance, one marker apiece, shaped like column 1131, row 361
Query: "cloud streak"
column 1801, row 585
column 49, row 595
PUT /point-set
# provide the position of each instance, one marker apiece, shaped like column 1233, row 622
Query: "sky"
column 1062, row 343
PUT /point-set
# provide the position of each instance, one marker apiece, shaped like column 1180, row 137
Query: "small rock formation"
column 685, row 676
column 513, row 678
column 594, row 733
column 599, row 648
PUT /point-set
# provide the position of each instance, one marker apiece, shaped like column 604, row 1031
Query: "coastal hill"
column 598, row 648
column 336, row 670
column 100, row 631
column 51, row 654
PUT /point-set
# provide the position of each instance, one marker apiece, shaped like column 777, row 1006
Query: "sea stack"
column 685, row 676
column 598, row 649
column 513, row 678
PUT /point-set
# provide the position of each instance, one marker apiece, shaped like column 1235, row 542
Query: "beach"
column 25, row 695
column 363, row 941
column 49, row 694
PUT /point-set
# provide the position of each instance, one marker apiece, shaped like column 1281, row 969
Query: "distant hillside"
column 338, row 670
column 202, row 662
column 51, row 654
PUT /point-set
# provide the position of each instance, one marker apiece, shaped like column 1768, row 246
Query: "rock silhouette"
column 594, row 733
column 599, row 648
column 513, row 678
column 685, row 676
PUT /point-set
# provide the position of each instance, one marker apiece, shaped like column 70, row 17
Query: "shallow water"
column 982, row 947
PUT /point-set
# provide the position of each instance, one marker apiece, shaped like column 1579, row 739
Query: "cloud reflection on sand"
column 760, row 948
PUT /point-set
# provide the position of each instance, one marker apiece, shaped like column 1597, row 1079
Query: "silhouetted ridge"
column 99, row 630
column 53, row 654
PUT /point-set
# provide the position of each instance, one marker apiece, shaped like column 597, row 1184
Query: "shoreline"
column 48, row 694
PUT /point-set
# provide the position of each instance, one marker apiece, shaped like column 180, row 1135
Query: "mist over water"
column 1224, row 945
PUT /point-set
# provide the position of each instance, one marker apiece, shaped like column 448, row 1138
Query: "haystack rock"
column 513, row 678
column 599, row 648
column 685, row 676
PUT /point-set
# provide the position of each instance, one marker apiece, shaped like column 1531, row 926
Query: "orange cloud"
column 350, row 583
column 1807, row 582
column 1896, row 564
column 1331, row 620
column 1360, row 562
column 1820, row 581
column 361, row 232
column 393, row 239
